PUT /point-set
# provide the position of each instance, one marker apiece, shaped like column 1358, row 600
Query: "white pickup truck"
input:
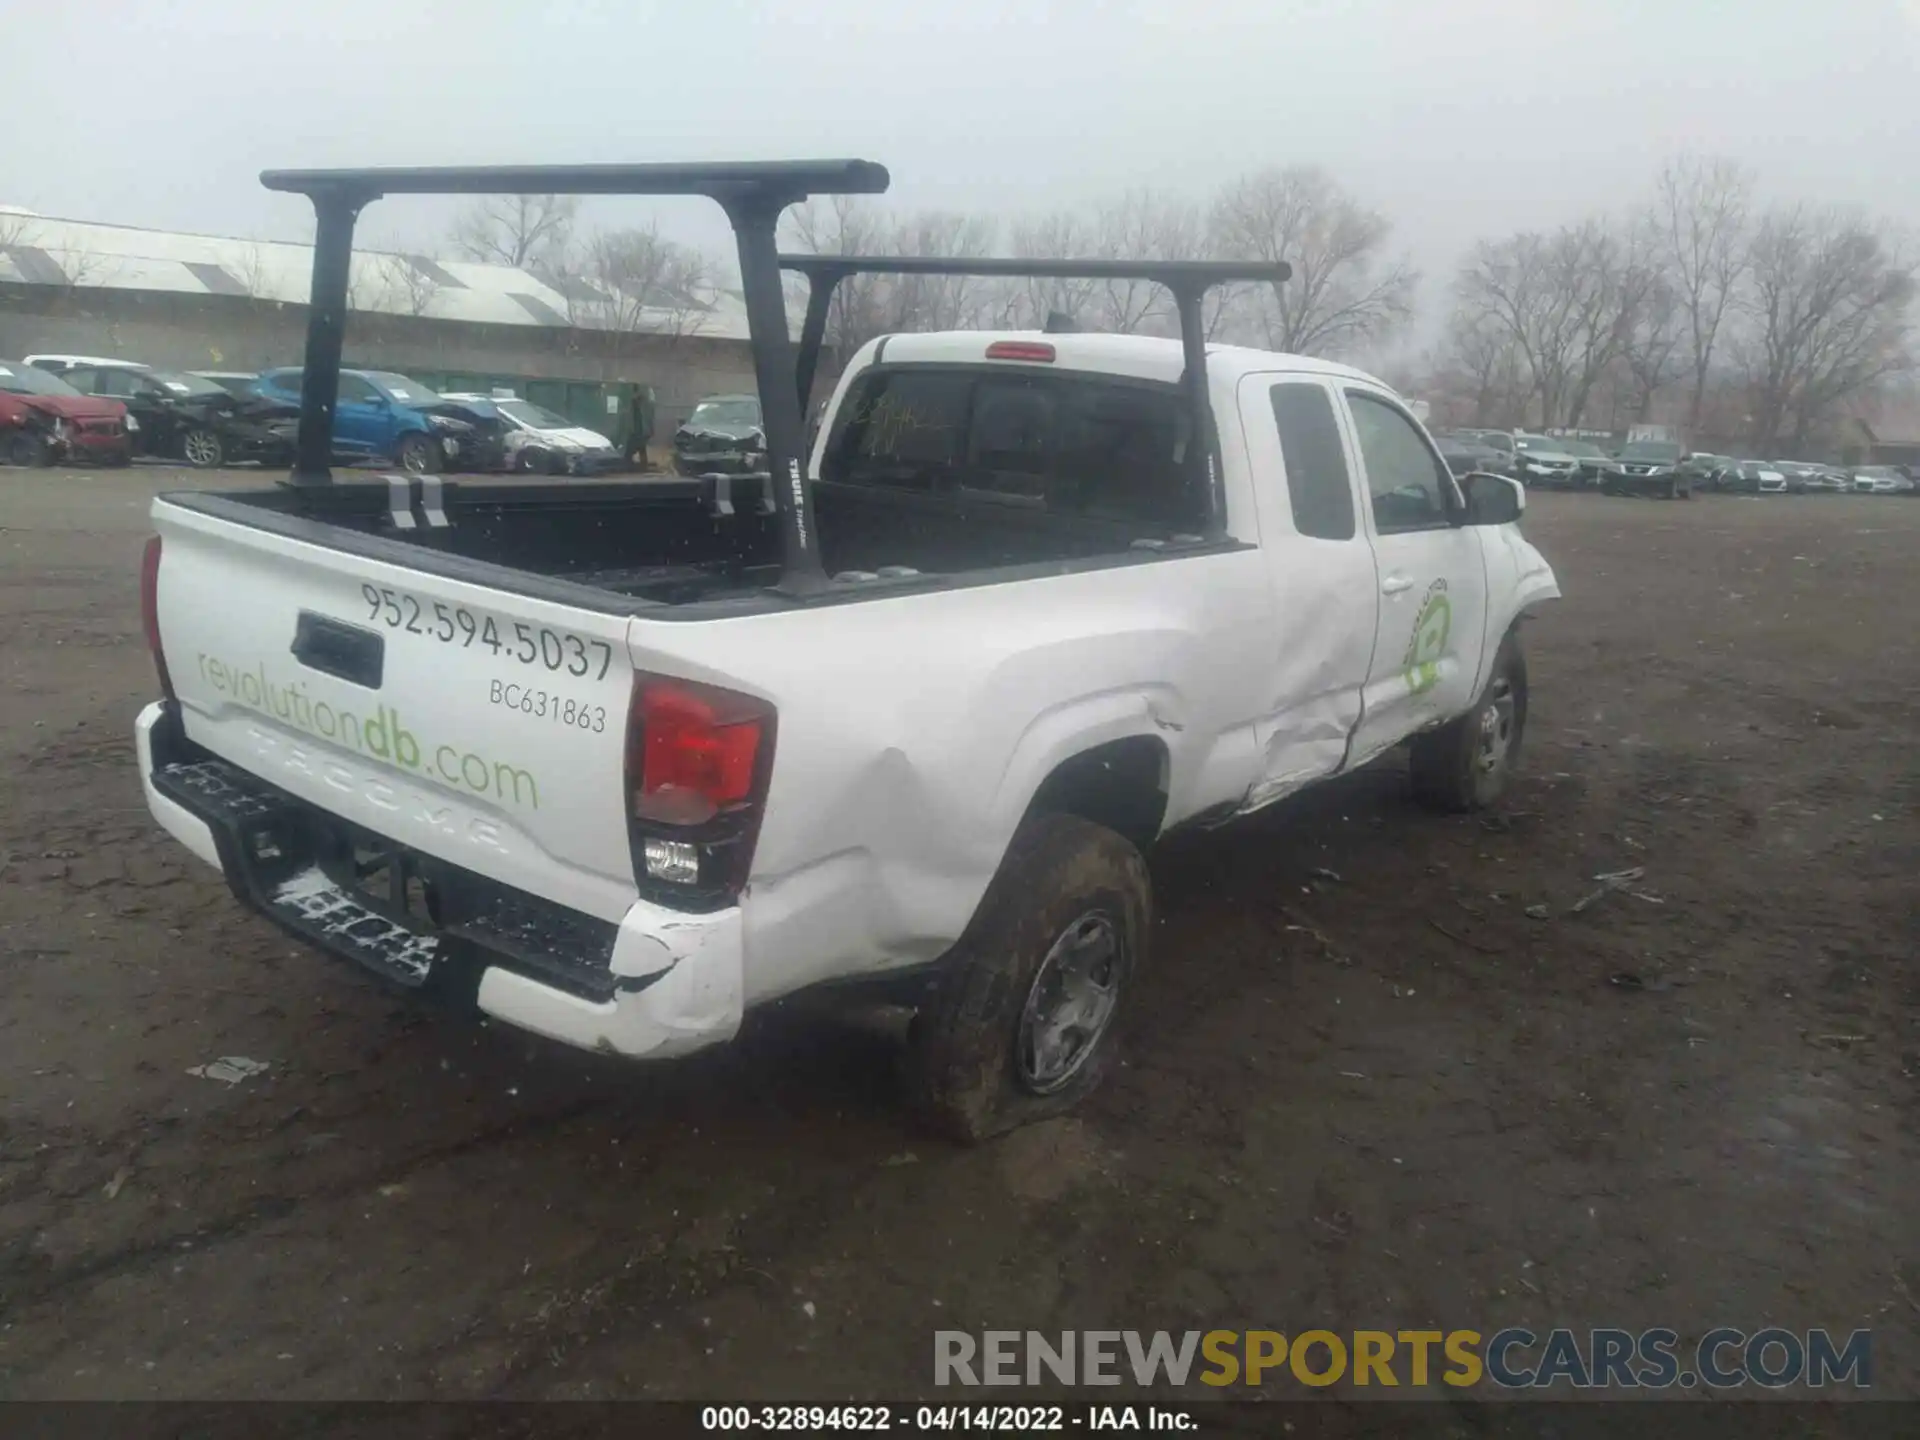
column 574, row 752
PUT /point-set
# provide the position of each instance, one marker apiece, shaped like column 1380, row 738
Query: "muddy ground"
column 1392, row 1099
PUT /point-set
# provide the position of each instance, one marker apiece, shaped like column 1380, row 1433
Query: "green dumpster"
column 622, row 410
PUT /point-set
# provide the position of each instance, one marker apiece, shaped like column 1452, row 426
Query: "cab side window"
column 1408, row 484
column 358, row 391
column 120, row 384
column 1318, row 486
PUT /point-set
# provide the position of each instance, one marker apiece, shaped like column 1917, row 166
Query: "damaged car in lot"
column 182, row 416
column 381, row 416
column 1752, row 477
column 537, row 441
column 43, row 419
column 619, row 769
column 723, row 436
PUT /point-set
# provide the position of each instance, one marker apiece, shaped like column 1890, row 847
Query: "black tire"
column 418, row 454
column 1465, row 764
column 202, row 448
column 29, row 448
column 1069, row 895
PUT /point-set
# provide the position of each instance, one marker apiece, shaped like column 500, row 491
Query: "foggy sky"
column 1457, row 119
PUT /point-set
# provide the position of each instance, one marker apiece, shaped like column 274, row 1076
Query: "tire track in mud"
column 265, row 1210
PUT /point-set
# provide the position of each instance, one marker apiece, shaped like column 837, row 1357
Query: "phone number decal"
column 560, row 651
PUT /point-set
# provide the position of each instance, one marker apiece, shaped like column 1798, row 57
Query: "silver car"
column 1882, row 480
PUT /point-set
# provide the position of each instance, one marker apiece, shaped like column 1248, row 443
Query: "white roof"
column 1140, row 357
column 45, row 250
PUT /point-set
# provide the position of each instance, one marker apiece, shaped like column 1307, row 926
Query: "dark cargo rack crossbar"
column 753, row 194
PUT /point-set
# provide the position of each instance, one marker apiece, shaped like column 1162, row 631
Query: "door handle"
column 1394, row 584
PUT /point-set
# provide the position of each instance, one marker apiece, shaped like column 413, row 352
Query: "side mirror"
column 1492, row 499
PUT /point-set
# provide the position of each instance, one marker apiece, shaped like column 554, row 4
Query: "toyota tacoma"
column 901, row 715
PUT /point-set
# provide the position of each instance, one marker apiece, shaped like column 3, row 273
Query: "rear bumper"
column 660, row 983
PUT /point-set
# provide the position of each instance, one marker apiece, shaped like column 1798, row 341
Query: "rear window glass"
column 1073, row 444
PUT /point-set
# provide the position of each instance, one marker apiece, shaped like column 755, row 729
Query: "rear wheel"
column 1021, row 1023
column 203, row 449
column 1465, row 764
column 419, row 455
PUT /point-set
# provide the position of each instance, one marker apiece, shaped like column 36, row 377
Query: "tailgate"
column 483, row 728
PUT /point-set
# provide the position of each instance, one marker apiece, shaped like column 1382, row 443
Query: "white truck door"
column 1432, row 578
column 1320, row 566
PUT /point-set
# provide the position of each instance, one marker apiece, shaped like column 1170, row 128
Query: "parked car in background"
column 185, row 417
column 1593, row 465
column 1466, row 455
column 384, row 416
column 1650, row 467
column 536, row 441
column 1882, row 480
column 1752, row 477
column 1703, row 468
column 1798, row 473
column 722, row 436
column 44, row 419
column 238, row 382
column 1543, row 462
column 1826, row 479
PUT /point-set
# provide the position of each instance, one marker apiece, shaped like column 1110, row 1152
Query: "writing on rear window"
column 560, row 651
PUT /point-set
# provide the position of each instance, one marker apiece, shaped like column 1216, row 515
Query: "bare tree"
column 252, row 273
column 1480, row 371
column 1063, row 235
column 1141, row 225
column 1828, row 312
column 1343, row 295
column 516, row 230
column 843, row 225
column 369, row 284
column 1569, row 301
column 635, row 281
column 16, row 228
column 939, row 302
column 1651, row 348
column 406, row 284
column 1701, row 215
column 865, row 306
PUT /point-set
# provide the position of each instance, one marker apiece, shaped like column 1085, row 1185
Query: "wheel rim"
column 1071, row 1003
column 202, row 448
column 413, row 457
column 1496, row 728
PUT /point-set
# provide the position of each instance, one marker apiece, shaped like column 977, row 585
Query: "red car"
column 44, row 419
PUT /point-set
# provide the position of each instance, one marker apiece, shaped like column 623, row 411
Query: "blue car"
column 382, row 416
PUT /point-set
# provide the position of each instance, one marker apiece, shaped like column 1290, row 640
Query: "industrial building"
column 203, row 302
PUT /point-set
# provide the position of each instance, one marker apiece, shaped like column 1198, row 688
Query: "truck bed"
column 631, row 546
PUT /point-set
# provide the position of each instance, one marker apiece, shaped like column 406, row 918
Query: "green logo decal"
column 1429, row 640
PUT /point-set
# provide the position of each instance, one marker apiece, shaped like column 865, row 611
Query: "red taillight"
column 1035, row 351
column 150, row 611
column 694, row 750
